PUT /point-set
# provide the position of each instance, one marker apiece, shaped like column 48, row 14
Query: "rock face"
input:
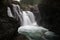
column 8, row 25
column 50, row 15
column 8, row 28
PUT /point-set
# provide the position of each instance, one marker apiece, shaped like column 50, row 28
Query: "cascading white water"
column 28, row 26
column 28, row 18
column 17, row 12
column 9, row 12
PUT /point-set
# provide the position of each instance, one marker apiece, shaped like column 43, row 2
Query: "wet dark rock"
column 8, row 28
column 50, row 15
column 8, row 25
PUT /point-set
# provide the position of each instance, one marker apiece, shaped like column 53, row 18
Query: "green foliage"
column 25, row 3
column 31, row 2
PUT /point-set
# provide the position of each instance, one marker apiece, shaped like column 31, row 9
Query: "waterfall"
column 28, row 18
column 28, row 26
column 17, row 13
column 9, row 12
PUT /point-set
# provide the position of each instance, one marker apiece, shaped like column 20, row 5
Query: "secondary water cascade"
column 29, row 26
